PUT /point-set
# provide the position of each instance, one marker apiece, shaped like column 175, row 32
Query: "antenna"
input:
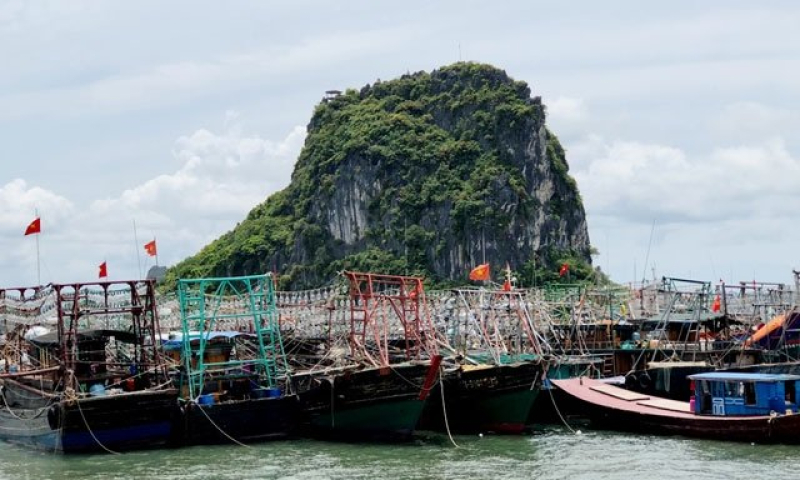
column 647, row 257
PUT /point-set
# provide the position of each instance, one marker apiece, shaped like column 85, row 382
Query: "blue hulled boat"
column 97, row 382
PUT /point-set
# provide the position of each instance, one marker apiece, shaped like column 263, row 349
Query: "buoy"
column 480, row 435
column 578, row 432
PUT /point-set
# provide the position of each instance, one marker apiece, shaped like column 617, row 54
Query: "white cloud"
column 748, row 119
column 566, row 109
column 19, row 203
column 645, row 182
column 220, row 177
column 724, row 212
column 174, row 83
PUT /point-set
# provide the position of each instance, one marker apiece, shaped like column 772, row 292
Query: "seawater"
column 554, row 453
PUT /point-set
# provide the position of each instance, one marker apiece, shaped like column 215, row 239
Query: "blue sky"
column 184, row 115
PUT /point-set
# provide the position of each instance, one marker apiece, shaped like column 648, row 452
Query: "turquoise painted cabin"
column 740, row 394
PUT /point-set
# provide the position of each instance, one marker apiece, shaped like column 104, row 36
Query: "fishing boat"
column 377, row 385
column 496, row 364
column 484, row 398
column 726, row 406
column 233, row 371
column 97, row 382
column 365, row 403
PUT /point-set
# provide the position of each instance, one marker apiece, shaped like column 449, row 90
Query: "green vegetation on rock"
column 425, row 175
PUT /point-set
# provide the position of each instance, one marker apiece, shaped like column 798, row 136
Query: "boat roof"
column 210, row 336
column 49, row 339
column 669, row 364
column 744, row 376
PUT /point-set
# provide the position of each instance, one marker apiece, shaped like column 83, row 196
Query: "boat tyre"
column 54, row 416
column 630, row 382
column 645, row 381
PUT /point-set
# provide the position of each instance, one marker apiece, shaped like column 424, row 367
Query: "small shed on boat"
column 736, row 394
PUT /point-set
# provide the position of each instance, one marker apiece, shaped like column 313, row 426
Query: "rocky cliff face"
column 428, row 174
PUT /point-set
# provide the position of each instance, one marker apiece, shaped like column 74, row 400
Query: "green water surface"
column 555, row 453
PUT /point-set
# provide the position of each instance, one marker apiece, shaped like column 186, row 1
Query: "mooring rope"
column 564, row 421
column 444, row 408
column 89, row 429
column 218, row 427
column 72, row 397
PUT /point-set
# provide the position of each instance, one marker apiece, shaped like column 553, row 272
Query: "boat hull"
column 378, row 404
column 607, row 412
column 121, row 422
column 552, row 406
column 483, row 399
column 241, row 421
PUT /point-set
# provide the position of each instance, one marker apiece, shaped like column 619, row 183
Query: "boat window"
column 791, row 393
column 749, row 393
column 732, row 389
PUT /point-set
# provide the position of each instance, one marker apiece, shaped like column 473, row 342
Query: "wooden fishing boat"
column 70, row 423
column 87, row 389
column 233, row 376
column 484, row 398
column 360, row 403
column 378, row 387
column 726, row 406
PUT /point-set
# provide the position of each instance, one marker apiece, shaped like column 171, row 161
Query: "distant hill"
column 424, row 174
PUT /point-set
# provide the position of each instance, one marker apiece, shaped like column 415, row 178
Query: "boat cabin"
column 741, row 394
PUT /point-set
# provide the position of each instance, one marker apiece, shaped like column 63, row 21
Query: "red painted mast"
column 389, row 311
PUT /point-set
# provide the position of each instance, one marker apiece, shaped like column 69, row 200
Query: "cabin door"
column 705, row 398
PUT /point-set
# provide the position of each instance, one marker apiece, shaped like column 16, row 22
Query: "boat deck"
column 666, row 404
column 619, row 393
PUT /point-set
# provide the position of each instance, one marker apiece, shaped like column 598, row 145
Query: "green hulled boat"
column 484, row 398
column 365, row 403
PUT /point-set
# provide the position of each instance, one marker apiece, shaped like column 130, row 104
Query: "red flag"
column 103, row 270
column 507, row 285
column 150, row 248
column 715, row 307
column 34, row 227
column 564, row 270
column 481, row 272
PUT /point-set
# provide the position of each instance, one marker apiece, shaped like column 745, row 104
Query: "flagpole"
column 38, row 258
column 154, row 239
column 38, row 263
column 138, row 256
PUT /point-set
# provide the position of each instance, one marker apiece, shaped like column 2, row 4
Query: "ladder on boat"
column 244, row 305
column 608, row 365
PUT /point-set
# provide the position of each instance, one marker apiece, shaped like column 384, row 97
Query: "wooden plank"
column 666, row 404
column 619, row 393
